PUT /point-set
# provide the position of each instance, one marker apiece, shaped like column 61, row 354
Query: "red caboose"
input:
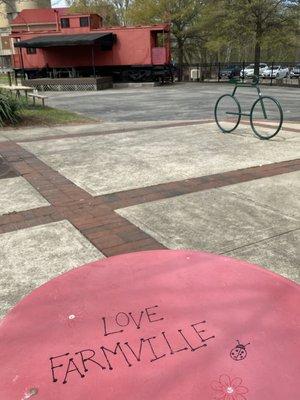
column 79, row 45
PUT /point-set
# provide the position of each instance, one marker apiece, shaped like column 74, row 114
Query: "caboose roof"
column 68, row 40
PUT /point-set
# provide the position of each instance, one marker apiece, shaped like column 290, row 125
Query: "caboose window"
column 84, row 21
column 65, row 22
column 31, row 50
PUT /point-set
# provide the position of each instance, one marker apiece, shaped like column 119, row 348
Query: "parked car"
column 295, row 72
column 249, row 70
column 229, row 72
column 277, row 72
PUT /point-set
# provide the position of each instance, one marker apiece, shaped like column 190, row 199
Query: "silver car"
column 295, row 72
column 249, row 70
column 277, row 72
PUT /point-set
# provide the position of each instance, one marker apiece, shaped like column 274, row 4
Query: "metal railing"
column 212, row 72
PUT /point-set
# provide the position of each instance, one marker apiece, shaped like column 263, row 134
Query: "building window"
column 84, row 21
column 65, row 22
column 31, row 50
column 5, row 43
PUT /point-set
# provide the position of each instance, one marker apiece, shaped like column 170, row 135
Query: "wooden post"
column 22, row 64
column 9, row 78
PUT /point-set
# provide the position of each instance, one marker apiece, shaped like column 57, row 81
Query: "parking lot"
column 181, row 101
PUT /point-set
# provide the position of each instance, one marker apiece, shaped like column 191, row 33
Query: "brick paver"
column 95, row 217
column 141, row 128
column 88, row 214
column 166, row 190
column 113, row 131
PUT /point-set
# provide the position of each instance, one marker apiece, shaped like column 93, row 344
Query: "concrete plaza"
column 80, row 193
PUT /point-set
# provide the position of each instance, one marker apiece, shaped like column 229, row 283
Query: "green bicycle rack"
column 228, row 112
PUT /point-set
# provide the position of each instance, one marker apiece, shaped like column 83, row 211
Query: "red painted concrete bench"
column 155, row 325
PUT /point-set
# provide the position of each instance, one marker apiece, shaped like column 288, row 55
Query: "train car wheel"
column 139, row 75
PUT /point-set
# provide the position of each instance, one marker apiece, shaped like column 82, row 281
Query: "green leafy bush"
column 9, row 109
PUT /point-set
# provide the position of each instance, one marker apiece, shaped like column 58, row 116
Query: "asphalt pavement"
column 180, row 101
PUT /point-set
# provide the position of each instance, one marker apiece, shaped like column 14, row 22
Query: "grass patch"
column 48, row 116
column 4, row 79
column 37, row 115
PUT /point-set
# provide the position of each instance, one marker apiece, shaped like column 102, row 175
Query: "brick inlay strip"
column 167, row 190
column 29, row 218
column 113, row 131
column 105, row 229
column 140, row 128
column 266, row 125
column 95, row 217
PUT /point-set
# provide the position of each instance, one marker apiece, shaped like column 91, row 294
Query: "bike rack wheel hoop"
column 270, row 110
column 233, row 105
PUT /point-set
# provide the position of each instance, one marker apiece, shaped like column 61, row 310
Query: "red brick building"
column 44, row 19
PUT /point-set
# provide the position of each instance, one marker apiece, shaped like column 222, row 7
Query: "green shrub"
column 9, row 109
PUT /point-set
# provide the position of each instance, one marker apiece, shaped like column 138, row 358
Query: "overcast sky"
column 58, row 3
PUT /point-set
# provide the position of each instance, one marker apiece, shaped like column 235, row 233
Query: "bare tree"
column 121, row 7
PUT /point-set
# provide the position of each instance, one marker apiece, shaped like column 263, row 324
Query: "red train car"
column 80, row 46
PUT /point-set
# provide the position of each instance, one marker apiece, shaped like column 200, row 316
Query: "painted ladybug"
column 239, row 352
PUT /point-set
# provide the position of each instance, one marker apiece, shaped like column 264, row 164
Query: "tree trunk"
column 258, row 38
column 257, row 58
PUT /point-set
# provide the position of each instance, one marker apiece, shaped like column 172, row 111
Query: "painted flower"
column 229, row 389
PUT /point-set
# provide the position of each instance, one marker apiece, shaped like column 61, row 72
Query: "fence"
column 218, row 72
column 69, row 84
